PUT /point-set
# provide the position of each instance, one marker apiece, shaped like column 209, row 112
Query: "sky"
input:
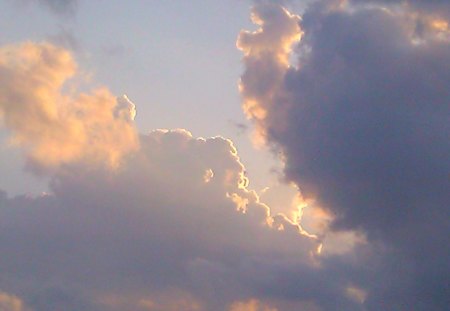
column 224, row 155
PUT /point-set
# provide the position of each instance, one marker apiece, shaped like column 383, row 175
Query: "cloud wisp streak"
column 59, row 7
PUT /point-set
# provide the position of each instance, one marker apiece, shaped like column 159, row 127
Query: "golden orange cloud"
column 53, row 127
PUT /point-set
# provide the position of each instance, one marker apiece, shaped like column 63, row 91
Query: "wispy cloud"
column 64, row 7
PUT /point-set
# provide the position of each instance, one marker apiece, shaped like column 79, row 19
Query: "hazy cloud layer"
column 363, row 123
column 57, row 6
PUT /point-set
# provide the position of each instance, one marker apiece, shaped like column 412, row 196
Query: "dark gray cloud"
column 363, row 122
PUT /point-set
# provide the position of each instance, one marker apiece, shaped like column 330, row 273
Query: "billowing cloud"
column 114, row 238
column 362, row 121
column 266, row 57
column 168, row 223
column 56, row 127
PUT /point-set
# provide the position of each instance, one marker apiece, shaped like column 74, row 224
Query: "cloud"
column 158, row 221
column 427, row 5
column 64, row 7
column 155, row 234
column 153, row 226
column 362, row 123
column 166, row 221
column 251, row 305
column 11, row 303
column 266, row 57
column 171, row 300
column 56, row 127
column 437, row 10
column 66, row 38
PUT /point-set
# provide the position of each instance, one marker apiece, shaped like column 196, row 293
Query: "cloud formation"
column 266, row 57
column 162, row 221
column 166, row 221
column 155, row 225
column 362, row 122
column 56, row 127
column 167, row 224
column 11, row 303
column 434, row 6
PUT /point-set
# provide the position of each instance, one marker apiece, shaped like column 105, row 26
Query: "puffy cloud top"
column 266, row 56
